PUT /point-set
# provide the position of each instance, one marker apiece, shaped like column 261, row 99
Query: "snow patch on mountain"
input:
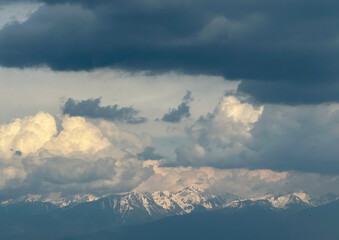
column 54, row 198
column 136, row 205
column 284, row 200
column 278, row 202
column 162, row 199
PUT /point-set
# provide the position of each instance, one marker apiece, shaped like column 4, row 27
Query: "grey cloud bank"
column 149, row 154
column 182, row 111
column 90, row 108
column 285, row 51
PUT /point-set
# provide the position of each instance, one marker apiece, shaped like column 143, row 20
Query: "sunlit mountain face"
column 169, row 119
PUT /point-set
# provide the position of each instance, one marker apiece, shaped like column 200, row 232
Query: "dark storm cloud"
column 91, row 108
column 183, row 111
column 289, row 43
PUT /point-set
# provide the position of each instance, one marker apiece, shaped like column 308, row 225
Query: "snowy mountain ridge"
column 55, row 199
column 135, row 206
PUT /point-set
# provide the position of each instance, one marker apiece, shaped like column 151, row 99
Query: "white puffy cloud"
column 77, row 135
column 281, row 138
column 84, row 156
column 232, row 107
column 97, row 157
column 231, row 121
column 219, row 138
column 27, row 135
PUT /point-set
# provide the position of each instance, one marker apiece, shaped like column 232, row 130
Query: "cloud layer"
column 286, row 51
column 238, row 148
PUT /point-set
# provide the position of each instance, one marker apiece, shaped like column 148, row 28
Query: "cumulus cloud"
column 259, row 154
column 230, row 121
column 281, row 138
column 81, row 157
column 26, row 135
column 90, row 108
column 182, row 111
column 220, row 138
column 77, row 135
column 99, row 158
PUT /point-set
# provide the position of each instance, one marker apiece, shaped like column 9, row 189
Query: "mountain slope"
column 252, row 222
column 36, row 218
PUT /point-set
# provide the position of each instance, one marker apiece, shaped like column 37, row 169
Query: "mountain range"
column 45, row 217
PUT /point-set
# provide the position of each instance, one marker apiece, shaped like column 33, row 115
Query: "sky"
column 112, row 96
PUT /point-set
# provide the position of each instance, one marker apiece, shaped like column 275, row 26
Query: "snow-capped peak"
column 277, row 202
column 54, row 198
column 164, row 203
column 283, row 201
